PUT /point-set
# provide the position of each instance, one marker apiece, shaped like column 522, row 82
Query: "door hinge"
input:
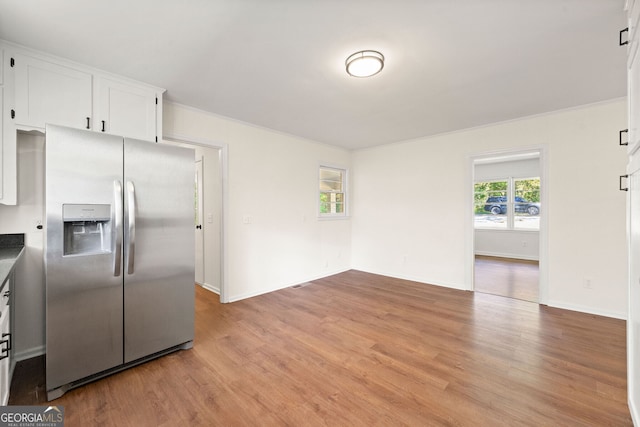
column 13, row 114
column 624, row 188
column 622, row 43
column 12, row 62
column 156, row 139
column 156, row 100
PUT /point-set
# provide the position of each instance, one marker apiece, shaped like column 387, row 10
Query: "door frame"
column 224, row 160
column 543, row 280
column 199, row 231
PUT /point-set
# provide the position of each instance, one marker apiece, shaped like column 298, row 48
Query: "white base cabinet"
column 5, row 340
column 5, row 360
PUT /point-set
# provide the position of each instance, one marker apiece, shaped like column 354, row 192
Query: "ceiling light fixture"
column 365, row 63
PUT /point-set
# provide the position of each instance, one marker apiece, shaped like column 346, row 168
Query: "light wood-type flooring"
column 513, row 278
column 357, row 349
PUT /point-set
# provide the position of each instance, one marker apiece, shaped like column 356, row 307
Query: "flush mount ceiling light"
column 365, row 63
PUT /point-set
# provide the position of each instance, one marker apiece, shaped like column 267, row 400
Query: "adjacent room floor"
column 508, row 277
column 357, row 349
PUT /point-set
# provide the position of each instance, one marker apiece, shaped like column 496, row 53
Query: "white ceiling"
column 450, row 65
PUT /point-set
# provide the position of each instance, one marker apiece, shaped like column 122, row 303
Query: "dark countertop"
column 11, row 247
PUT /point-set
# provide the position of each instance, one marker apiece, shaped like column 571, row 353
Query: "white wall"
column 273, row 184
column 507, row 243
column 410, row 220
column 212, row 221
column 407, row 213
column 528, row 168
column 29, row 302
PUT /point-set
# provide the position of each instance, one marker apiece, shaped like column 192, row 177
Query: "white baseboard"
column 29, row 353
column 277, row 288
column 588, row 310
column 211, row 288
column 419, row 279
column 511, row 256
column 635, row 416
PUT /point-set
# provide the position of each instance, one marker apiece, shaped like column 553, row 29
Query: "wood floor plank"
column 508, row 277
column 356, row 349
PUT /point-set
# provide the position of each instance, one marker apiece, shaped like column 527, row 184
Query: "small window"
column 527, row 203
column 512, row 203
column 490, row 204
column 332, row 191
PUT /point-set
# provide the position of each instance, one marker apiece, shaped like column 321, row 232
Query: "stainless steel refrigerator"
column 119, row 254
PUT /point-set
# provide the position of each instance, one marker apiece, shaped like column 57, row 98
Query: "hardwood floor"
column 356, row 349
column 507, row 277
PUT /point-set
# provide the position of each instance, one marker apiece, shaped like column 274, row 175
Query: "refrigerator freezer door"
column 83, row 295
column 159, row 271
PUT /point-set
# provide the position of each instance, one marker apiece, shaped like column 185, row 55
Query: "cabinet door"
column 51, row 93
column 633, row 65
column 633, row 320
column 2, row 171
column 127, row 110
column 5, row 381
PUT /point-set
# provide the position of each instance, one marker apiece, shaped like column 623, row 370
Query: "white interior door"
column 198, row 219
column 208, row 214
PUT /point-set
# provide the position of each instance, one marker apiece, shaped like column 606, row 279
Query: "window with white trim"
column 510, row 203
column 332, row 192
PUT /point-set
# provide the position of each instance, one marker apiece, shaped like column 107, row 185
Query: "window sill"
column 333, row 218
column 503, row 230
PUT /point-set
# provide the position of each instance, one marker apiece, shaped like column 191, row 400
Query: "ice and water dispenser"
column 87, row 229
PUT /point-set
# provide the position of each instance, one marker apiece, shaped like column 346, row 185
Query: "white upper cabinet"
column 1, row 136
column 633, row 83
column 124, row 109
column 37, row 88
column 46, row 92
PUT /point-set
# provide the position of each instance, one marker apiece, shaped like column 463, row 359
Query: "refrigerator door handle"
column 131, row 209
column 117, row 210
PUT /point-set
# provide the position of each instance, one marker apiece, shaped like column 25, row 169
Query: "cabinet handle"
column 5, row 351
column 88, row 127
column 621, row 178
column 8, row 335
column 102, row 125
column 622, row 43
column 621, row 132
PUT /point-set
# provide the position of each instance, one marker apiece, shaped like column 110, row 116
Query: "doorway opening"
column 210, row 164
column 508, row 212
